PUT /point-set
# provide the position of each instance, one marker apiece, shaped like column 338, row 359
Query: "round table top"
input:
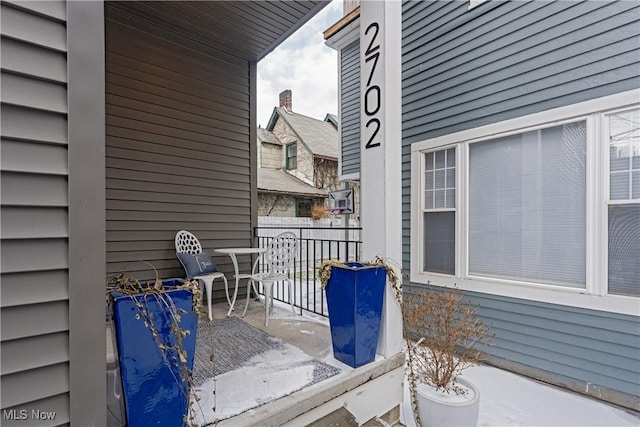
column 240, row 251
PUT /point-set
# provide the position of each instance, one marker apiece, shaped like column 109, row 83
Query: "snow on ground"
column 508, row 399
column 264, row 378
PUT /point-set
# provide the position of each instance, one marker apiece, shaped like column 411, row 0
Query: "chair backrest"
column 282, row 252
column 187, row 243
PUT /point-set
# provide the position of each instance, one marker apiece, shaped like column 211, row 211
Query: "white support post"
column 381, row 149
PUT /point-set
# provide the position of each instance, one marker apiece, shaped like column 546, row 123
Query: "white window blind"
column 527, row 206
column 624, row 218
column 439, row 207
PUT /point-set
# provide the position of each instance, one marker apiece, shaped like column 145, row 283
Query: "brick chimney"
column 285, row 99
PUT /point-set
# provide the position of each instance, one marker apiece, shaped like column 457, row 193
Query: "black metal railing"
column 315, row 245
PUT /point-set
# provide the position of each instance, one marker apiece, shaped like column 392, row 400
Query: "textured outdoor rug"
column 249, row 368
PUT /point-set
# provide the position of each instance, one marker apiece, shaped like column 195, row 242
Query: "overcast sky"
column 304, row 64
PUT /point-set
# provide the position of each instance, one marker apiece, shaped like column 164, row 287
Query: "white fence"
column 319, row 240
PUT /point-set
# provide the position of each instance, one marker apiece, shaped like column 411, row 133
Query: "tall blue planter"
column 354, row 298
column 154, row 391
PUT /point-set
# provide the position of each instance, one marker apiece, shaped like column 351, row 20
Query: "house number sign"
column 372, row 99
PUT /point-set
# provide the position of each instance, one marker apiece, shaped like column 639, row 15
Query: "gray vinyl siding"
column 34, row 199
column 177, row 148
column 350, row 108
column 466, row 68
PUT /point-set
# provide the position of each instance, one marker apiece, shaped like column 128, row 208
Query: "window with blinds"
column 527, row 206
column 623, row 213
column 545, row 206
column 440, row 211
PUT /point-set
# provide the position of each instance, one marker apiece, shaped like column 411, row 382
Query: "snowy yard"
column 509, row 399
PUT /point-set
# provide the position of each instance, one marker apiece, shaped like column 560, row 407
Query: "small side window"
column 292, row 156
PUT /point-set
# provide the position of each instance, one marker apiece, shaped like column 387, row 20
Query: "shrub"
column 449, row 337
column 318, row 212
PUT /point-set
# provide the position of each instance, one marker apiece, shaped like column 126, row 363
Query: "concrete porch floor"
column 309, row 333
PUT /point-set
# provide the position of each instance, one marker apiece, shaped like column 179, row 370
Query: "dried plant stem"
column 174, row 355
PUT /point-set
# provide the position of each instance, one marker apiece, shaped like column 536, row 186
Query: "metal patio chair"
column 279, row 258
column 187, row 243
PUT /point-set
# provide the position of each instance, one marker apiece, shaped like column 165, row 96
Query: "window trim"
column 286, row 155
column 301, row 201
column 594, row 295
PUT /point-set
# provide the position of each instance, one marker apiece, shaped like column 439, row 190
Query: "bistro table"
column 232, row 252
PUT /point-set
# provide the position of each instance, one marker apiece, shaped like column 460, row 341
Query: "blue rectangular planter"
column 154, row 392
column 354, row 299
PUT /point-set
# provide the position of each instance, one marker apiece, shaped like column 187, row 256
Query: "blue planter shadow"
column 155, row 393
column 354, row 299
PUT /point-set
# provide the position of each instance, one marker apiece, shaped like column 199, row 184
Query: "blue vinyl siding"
column 463, row 69
column 350, row 102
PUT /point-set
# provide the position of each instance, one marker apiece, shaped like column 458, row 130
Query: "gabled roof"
column 333, row 119
column 279, row 181
column 319, row 136
column 266, row 136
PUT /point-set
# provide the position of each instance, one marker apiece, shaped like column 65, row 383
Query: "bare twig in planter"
column 173, row 355
column 450, row 336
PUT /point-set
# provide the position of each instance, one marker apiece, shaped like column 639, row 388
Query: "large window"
column 527, row 195
column 292, row 156
column 545, row 207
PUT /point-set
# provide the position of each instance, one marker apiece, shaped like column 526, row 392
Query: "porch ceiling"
column 246, row 29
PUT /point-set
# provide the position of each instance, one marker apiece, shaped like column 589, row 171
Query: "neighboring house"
column 302, row 153
column 519, row 167
column 282, row 194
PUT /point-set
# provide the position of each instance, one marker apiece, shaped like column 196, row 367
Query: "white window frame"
column 594, row 296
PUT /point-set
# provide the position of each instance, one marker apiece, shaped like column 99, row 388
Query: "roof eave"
column 273, row 119
column 310, row 14
column 293, row 193
column 343, row 22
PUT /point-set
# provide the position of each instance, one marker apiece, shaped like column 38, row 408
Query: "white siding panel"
column 28, row 59
column 24, row 354
column 38, row 94
column 34, row 29
column 34, row 320
column 56, row 9
column 20, row 156
column 34, row 287
column 34, row 255
column 51, row 381
column 34, row 190
column 34, row 223
column 34, row 199
column 33, row 125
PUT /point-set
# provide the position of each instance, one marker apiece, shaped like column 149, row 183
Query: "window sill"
column 572, row 297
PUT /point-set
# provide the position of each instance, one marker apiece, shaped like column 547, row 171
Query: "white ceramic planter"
column 442, row 410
